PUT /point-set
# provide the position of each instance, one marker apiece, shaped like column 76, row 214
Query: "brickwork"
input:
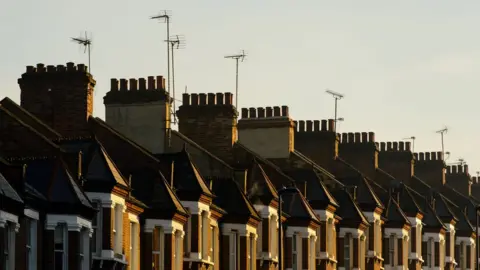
column 108, row 240
column 360, row 150
column 61, row 96
column 458, row 177
column 430, row 167
column 397, row 159
column 126, row 239
column 211, row 122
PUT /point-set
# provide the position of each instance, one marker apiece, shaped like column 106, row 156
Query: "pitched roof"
column 8, row 191
column 349, row 211
column 296, row 206
column 316, row 193
column 102, row 168
column 260, row 188
column 394, row 214
column 29, row 119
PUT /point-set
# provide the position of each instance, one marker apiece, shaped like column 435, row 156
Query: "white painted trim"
column 8, row 217
column 31, row 213
column 356, row 233
column 168, row 226
column 196, row 207
column 242, row 229
column 437, row 237
column 324, row 215
column 372, row 216
column 74, row 223
column 397, row 231
column 265, row 211
column 304, row 232
column 107, row 199
column 133, row 218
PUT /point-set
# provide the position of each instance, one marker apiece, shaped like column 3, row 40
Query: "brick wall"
column 126, row 238
column 61, row 96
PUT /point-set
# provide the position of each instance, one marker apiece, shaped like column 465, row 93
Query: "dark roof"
column 316, row 193
column 187, row 181
column 394, row 214
column 297, row 207
column 230, row 197
column 260, row 188
column 349, row 211
column 8, row 191
column 101, row 167
column 29, row 118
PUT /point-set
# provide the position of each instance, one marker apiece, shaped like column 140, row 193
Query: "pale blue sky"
column 407, row 68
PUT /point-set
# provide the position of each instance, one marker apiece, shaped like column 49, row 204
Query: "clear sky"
column 407, row 68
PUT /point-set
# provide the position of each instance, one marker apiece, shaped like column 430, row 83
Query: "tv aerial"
column 176, row 42
column 411, row 138
column 86, row 42
column 442, row 132
column 337, row 96
column 241, row 56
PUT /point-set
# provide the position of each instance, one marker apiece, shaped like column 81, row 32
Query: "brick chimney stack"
column 317, row 140
column 60, row 96
column 141, row 110
column 268, row 131
column 209, row 120
column 360, row 150
column 457, row 177
column 397, row 159
column 430, row 167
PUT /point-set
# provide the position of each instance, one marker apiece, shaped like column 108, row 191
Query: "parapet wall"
column 428, row 156
column 136, row 91
column 265, row 112
column 315, row 125
column 395, row 146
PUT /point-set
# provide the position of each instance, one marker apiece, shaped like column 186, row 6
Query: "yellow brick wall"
column 126, row 238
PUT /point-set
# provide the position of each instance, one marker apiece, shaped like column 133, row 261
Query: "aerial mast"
column 176, row 42
column 336, row 96
column 165, row 17
column 442, row 132
column 86, row 42
column 241, row 56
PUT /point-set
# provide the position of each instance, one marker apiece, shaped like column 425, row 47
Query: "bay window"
column 347, row 251
column 312, row 253
column 97, row 229
column 157, row 248
column 233, row 250
column 295, row 254
column 31, row 243
column 391, row 250
column 9, row 246
column 118, row 228
column 429, row 261
column 133, row 246
column 61, row 244
column 251, row 254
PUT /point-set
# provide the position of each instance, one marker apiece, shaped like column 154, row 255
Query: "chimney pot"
column 324, row 125
column 228, row 98
column 142, row 84
column 211, row 99
column 269, row 112
column 295, row 124
column 244, row 113
column 202, row 98
column 261, row 112
column 185, row 99
column 331, row 125
column 133, row 84
column 70, row 66
column 81, row 68
column 113, row 85
column 316, row 125
column 151, row 83
column 123, row 85
column 285, row 111
column 194, row 99
column 60, row 68
column 344, row 138
column 389, row 146
column 395, row 146
column 427, row 156
column 465, row 169
column 302, row 126
column 434, row 155
column 357, row 137
column 276, row 111
column 351, row 137
column 309, row 126
column 415, row 155
column 371, row 136
column 220, row 98
column 364, row 137
column 383, row 146
column 30, row 69
column 455, row 169
column 440, row 155
column 253, row 112
column 401, row 146
column 51, row 68
column 160, row 82
column 407, row 146
column 422, row 156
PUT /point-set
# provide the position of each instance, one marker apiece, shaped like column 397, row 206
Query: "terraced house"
column 78, row 192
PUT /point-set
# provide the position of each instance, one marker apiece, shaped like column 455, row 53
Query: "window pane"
column 156, row 239
column 156, row 262
column 58, row 260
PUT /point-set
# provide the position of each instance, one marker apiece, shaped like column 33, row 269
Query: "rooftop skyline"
column 406, row 69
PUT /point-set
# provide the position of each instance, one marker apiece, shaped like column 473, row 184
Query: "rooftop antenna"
column 86, row 42
column 442, row 131
column 165, row 17
column 241, row 56
column 176, row 42
column 412, row 138
column 336, row 96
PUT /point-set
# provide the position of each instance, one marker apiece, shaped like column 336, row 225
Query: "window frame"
column 347, row 251
column 31, row 243
column 64, row 250
column 118, row 229
column 9, row 245
column 391, row 250
column 133, row 245
column 158, row 253
column 251, row 254
column 429, row 252
column 97, row 223
column 295, row 252
column 233, row 256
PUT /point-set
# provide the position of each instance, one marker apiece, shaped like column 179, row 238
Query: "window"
column 31, row 243
column 419, row 239
column 213, row 245
column 177, row 257
column 312, row 253
column 251, row 255
column 133, row 246
column 118, row 228
column 61, row 243
column 318, row 243
column 346, row 246
column 97, row 229
column 9, row 246
column 83, row 251
column 363, row 254
column 391, row 250
column 462, row 258
column 157, row 248
column 330, row 237
column 186, row 238
column 233, row 250
column 430, row 252
column 205, row 226
column 294, row 252
column 273, row 236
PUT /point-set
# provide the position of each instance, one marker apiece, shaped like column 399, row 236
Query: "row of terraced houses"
column 128, row 192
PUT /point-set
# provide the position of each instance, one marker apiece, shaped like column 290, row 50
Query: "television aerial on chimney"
column 86, row 42
column 176, row 42
column 336, row 96
column 442, row 132
column 165, row 16
column 241, row 56
column 412, row 138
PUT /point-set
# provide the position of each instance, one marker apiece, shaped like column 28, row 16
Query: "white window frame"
column 118, row 228
column 186, row 238
column 295, row 252
column 312, row 252
column 62, row 227
column 84, row 249
column 31, row 242
column 430, row 248
column 233, row 250
column 418, row 235
column 205, row 226
column 462, row 252
column 251, row 254
column 392, row 250
column 330, row 236
column 97, row 229
column 178, row 245
column 134, row 231
column 347, row 251
column 273, row 236
column 159, row 253
column 213, row 243
column 9, row 241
